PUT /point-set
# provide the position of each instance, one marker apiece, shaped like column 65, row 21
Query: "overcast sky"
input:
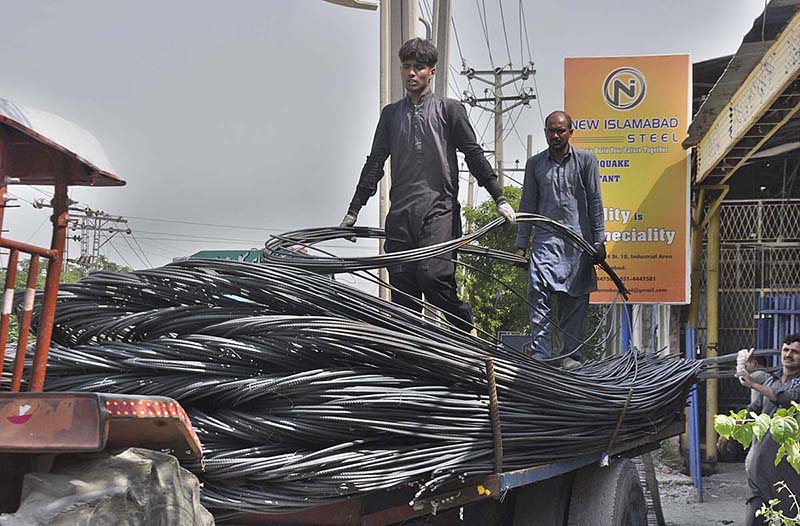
column 258, row 114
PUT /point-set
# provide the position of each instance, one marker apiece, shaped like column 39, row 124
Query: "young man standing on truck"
column 780, row 391
column 561, row 183
column 421, row 133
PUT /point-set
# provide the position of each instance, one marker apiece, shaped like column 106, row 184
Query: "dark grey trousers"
column 547, row 306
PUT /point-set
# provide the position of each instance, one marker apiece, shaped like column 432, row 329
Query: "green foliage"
column 495, row 290
column 777, row 517
column 784, row 426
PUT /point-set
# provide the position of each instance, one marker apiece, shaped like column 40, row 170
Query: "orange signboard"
column 633, row 112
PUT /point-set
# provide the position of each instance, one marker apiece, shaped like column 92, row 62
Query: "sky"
column 234, row 120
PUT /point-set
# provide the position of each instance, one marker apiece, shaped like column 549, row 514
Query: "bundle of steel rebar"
column 304, row 390
column 281, row 248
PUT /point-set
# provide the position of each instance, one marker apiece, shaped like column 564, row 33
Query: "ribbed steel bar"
column 305, row 390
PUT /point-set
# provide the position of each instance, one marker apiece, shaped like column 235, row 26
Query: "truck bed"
column 392, row 506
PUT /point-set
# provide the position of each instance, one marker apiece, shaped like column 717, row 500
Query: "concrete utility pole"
column 398, row 24
column 441, row 39
column 497, row 83
column 471, row 185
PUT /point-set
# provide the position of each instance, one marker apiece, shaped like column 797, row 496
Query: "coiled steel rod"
column 305, row 390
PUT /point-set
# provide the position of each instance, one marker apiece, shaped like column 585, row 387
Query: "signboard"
column 633, row 112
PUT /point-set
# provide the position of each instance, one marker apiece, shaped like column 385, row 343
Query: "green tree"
column 490, row 285
column 498, row 291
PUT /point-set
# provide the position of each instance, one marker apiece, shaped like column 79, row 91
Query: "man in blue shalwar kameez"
column 563, row 184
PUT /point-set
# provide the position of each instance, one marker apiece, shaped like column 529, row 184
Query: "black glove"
column 600, row 248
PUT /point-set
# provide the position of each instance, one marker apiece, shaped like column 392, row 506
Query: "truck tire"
column 134, row 487
column 543, row 503
column 608, row 496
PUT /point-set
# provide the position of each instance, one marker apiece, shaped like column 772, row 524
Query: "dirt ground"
column 724, row 495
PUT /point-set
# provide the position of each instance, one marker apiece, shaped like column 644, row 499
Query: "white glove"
column 741, row 359
column 507, row 212
column 349, row 220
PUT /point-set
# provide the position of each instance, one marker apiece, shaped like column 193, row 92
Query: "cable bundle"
column 304, row 390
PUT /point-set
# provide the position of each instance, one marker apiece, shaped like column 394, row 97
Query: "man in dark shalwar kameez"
column 421, row 133
column 762, row 473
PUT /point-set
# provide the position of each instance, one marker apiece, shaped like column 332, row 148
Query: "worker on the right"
column 562, row 183
column 762, row 473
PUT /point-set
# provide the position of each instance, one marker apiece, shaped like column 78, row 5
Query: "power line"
column 538, row 101
column 458, row 41
column 45, row 220
column 519, row 17
column 158, row 251
column 163, row 246
column 140, row 248
column 135, row 253
column 15, row 196
column 524, row 23
column 426, row 8
column 196, row 241
column 513, row 127
column 192, row 236
column 39, row 190
column 179, row 222
column 451, row 80
column 111, row 244
column 485, row 29
column 505, row 33
column 202, row 240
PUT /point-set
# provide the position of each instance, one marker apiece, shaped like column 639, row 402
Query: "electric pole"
column 95, row 228
column 441, row 39
column 523, row 97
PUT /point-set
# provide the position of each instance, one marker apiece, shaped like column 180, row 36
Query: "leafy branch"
column 774, row 516
column 783, row 425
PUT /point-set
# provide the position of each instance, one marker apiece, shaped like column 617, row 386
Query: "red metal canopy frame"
column 39, row 148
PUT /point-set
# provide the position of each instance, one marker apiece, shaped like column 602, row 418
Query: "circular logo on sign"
column 624, row 88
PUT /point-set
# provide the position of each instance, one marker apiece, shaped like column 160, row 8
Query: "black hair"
column 792, row 338
column 562, row 112
column 419, row 50
column 760, row 360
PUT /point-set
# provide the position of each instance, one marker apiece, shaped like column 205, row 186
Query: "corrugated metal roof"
column 766, row 28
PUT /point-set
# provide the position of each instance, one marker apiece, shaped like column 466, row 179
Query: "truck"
column 39, row 429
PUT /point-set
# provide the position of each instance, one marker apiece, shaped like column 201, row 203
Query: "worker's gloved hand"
column 507, row 211
column 521, row 253
column 741, row 362
column 741, row 359
column 349, row 220
column 600, row 248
